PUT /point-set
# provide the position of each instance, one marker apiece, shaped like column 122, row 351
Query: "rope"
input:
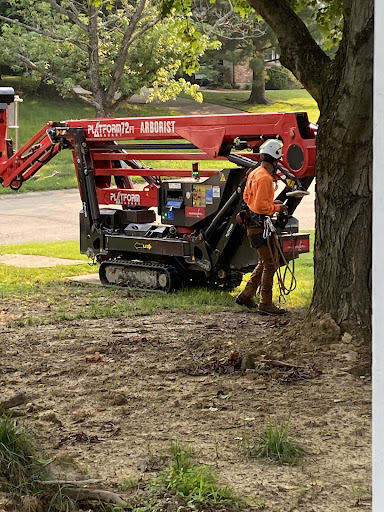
column 277, row 254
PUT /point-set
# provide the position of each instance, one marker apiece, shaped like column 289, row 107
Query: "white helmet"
column 273, row 148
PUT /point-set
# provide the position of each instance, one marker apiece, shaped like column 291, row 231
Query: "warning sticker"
column 199, row 195
column 174, row 186
column 222, row 178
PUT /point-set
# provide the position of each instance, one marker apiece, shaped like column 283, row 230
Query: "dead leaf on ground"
column 317, row 486
column 95, row 358
column 110, row 428
column 151, row 464
column 79, row 416
column 78, row 437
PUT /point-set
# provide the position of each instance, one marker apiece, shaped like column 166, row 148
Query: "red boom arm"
column 208, row 138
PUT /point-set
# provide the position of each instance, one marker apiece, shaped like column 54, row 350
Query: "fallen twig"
column 70, row 482
column 279, row 364
column 79, row 494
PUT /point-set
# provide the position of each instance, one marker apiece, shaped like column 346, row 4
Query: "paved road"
column 39, row 216
column 54, row 215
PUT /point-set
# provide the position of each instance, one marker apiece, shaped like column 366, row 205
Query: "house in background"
column 240, row 74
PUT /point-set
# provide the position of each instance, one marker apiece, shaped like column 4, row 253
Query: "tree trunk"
column 344, row 175
column 342, row 88
column 257, row 95
column 98, row 94
column 257, row 65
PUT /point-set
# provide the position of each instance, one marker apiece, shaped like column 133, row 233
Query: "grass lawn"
column 45, row 295
column 298, row 100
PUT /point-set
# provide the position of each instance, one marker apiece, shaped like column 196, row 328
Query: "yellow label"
column 291, row 183
column 143, row 246
column 222, row 178
column 199, row 195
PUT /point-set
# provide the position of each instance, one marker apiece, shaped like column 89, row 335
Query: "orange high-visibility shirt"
column 259, row 192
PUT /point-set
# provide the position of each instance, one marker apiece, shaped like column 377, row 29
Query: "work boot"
column 243, row 300
column 271, row 309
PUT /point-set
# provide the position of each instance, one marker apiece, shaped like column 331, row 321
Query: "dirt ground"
column 106, row 395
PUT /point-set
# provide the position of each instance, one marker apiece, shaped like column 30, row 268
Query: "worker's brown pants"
column 262, row 276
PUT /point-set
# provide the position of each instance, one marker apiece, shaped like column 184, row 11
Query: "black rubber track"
column 174, row 281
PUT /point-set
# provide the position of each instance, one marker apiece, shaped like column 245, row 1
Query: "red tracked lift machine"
column 198, row 240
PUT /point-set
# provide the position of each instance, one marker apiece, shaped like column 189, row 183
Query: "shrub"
column 279, row 78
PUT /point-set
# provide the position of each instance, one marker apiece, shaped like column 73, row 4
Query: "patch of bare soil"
column 104, row 395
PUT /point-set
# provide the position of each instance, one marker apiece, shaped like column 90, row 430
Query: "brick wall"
column 243, row 73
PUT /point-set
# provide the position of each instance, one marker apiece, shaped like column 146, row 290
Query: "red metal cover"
column 296, row 245
column 128, row 197
column 195, row 212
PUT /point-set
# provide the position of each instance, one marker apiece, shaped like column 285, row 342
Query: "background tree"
column 241, row 39
column 111, row 50
column 342, row 86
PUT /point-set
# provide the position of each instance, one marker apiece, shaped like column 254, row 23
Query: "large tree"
column 111, row 49
column 342, row 86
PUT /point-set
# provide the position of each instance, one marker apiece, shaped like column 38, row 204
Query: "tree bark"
column 98, row 94
column 343, row 90
column 344, row 178
column 257, row 64
column 257, row 96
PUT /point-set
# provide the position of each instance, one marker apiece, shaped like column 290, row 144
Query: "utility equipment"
column 197, row 239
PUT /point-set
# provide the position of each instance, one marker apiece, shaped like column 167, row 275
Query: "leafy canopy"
column 326, row 14
column 42, row 40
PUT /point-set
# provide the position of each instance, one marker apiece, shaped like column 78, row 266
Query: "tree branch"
column 43, row 72
column 144, row 29
column 119, row 101
column 56, row 80
column 16, row 400
column 79, row 494
column 88, row 101
column 299, row 51
column 73, row 8
column 221, row 21
column 56, row 37
column 71, row 15
column 122, row 55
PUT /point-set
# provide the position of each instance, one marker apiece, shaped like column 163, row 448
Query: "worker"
column 259, row 197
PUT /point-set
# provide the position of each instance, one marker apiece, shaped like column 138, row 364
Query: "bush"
column 279, row 78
